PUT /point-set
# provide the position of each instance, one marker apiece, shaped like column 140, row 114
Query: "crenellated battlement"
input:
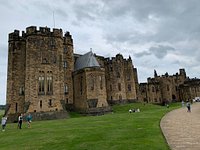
column 42, row 31
column 32, row 30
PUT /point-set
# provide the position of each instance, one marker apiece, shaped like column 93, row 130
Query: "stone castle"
column 44, row 75
column 46, row 78
column 169, row 88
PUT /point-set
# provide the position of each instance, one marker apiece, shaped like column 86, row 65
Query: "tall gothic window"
column 41, row 85
column 49, row 85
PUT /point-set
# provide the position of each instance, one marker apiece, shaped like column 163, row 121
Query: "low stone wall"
column 97, row 111
column 52, row 115
column 124, row 101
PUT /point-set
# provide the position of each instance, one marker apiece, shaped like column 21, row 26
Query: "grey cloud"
column 160, row 51
column 141, row 54
column 176, row 20
column 90, row 10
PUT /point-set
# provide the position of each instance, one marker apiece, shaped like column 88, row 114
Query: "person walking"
column 20, row 120
column 188, row 106
column 29, row 119
column 3, row 122
column 183, row 103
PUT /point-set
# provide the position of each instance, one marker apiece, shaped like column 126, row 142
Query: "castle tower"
column 40, row 65
column 120, row 80
column 16, row 73
column 89, row 85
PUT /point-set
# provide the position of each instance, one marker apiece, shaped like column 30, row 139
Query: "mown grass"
column 1, row 112
column 119, row 130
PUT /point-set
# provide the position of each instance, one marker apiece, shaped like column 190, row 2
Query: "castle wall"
column 41, row 75
column 162, row 89
column 96, row 87
column 80, row 93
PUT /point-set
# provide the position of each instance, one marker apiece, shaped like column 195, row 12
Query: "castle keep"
column 44, row 75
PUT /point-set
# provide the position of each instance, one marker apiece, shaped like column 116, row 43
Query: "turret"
column 14, row 35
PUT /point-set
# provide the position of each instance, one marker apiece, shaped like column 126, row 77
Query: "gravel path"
column 182, row 129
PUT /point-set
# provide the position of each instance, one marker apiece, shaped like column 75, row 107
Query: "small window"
column 119, row 86
column 21, row 91
column 65, row 89
column 129, row 87
column 40, row 104
column 50, row 102
column 44, row 61
column 65, row 64
column 65, row 50
column 16, row 107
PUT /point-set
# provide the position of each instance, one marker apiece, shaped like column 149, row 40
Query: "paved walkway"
column 182, row 129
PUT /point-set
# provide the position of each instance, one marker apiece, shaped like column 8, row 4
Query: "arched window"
column 41, row 85
column 49, row 84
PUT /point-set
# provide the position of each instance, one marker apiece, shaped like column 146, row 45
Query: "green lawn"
column 119, row 130
column 1, row 112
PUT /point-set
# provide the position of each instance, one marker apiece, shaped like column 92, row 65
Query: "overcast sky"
column 157, row 34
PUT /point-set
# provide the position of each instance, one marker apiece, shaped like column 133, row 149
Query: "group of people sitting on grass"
column 134, row 110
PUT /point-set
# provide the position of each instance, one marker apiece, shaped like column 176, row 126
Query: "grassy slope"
column 116, row 131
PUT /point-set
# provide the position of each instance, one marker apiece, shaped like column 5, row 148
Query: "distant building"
column 190, row 89
column 169, row 88
column 45, row 77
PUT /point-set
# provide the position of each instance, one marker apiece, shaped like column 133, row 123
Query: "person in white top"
column 3, row 122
